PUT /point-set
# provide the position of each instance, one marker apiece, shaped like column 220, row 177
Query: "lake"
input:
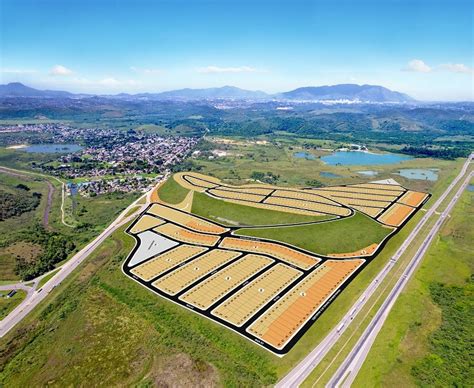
column 419, row 174
column 359, row 158
column 304, row 155
column 326, row 174
column 53, row 148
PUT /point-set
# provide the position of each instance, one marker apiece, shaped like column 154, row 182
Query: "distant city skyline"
column 422, row 48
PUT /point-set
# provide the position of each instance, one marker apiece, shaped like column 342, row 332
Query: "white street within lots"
column 35, row 297
column 299, row 373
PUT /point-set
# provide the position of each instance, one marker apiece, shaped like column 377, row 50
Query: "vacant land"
column 172, row 192
column 426, row 338
column 8, row 304
column 238, row 215
column 346, row 235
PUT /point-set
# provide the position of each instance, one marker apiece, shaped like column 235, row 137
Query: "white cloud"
column 60, row 70
column 146, row 71
column 418, row 65
column 456, row 68
column 18, row 71
column 218, row 70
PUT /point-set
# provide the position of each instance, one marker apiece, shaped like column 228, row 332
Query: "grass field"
column 346, row 235
column 234, row 214
column 416, row 346
column 8, row 304
column 110, row 319
column 172, row 192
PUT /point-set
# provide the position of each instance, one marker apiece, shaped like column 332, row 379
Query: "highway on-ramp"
column 34, row 298
column 299, row 373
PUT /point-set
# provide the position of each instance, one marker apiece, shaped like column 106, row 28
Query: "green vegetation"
column 55, row 248
column 46, row 278
column 115, row 332
column 345, row 235
column 12, row 205
column 425, row 340
column 172, row 192
column 450, row 345
column 266, row 177
column 234, row 214
column 8, row 304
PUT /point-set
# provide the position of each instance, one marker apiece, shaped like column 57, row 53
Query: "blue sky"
column 423, row 48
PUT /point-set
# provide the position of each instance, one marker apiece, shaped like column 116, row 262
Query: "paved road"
column 34, row 298
column 299, row 373
column 350, row 367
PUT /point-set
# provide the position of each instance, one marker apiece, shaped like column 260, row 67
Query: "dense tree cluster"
column 56, row 248
column 17, row 203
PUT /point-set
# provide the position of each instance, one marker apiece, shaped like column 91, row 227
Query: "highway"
column 35, row 297
column 349, row 368
column 301, row 371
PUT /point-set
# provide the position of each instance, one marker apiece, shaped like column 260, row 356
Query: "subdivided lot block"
column 166, row 261
column 370, row 211
column 240, row 307
column 289, row 255
column 340, row 196
column 189, row 273
column 413, row 198
column 242, row 196
column 208, row 292
column 380, row 186
column 303, row 195
column 144, row 223
column 396, row 214
column 358, row 189
column 186, row 235
column 286, row 317
column 185, row 219
column 249, row 190
column 196, row 183
column 309, row 206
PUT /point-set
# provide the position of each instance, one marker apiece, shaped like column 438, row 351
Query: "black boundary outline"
column 242, row 329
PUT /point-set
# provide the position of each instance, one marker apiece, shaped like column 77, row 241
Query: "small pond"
column 360, row 158
column 327, row 174
column 419, row 174
column 53, row 148
column 470, row 187
column 304, row 155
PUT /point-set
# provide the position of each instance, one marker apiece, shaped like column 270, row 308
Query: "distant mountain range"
column 346, row 92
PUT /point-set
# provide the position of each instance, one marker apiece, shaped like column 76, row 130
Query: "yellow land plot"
column 236, row 195
column 211, row 290
column 187, row 274
column 240, row 307
column 196, row 182
column 380, row 186
column 396, row 214
column 304, row 195
column 285, row 318
column 165, row 261
column 292, row 256
column 370, row 211
column 367, row 251
column 186, row 219
column 358, row 189
column 340, row 196
column 310, row 206
column 146, row 222
column 249, row 190
column 186, row 236
column 413, row 198
column 365, row 202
